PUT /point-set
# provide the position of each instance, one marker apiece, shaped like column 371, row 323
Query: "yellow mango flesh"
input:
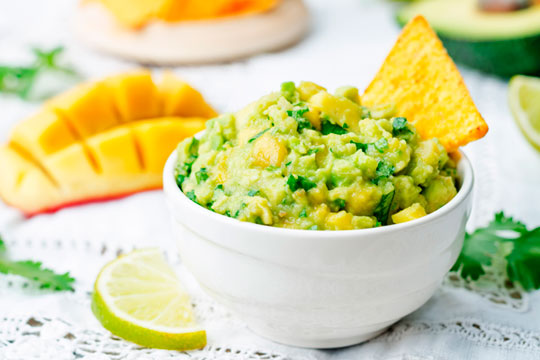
column 43, row 134
column 86, row 145
column 135, row 96
column 136, row 13
column 268, row 151
column 180, row 99
column 415, row 211
column 88, row 108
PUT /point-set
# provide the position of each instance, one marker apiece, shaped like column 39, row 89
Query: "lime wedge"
column 139, row 298
column 524, row 98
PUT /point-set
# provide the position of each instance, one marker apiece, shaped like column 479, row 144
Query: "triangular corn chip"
column 422, row 81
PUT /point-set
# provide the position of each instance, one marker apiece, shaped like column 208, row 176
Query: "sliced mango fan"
column 100, row 140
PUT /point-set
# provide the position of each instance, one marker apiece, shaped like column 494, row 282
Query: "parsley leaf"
column 481, row 248
column 383, row 171
column 34, row 270
column 381, row 145
column 312, row 151
column 303, row 213
column 329, row 128
column 258, row 135
column 340, row 203
column 399, row 126
column 383, row 207
column 253, row 192
column 360, row 146
column 297, row 114
column 201, row 175
column 191, row 196
column 300, row 182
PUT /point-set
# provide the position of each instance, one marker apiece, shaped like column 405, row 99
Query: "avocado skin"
column 504, row 58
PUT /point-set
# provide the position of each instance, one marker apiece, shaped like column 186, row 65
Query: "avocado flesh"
column 504, row 44
column 462, row 19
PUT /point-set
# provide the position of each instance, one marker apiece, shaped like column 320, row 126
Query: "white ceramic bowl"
column 320, row 289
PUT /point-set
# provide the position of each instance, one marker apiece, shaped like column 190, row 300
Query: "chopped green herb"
column 399, row 126
column 219, row 187
column 191, row 196
column 383, row 171
column 360, row 146
column 300, row 182
column 253, row 192
column 340, row 203
column 329, row 128
column 184, row 170
column 271, row 168
column 288, row 163
column 383, row 208
column 303, row 124
column 259, row 221
column 228, row 213
column 258, row 135
column 201, row 175
column 381, row 145
column 345, row 126
column 297, row 114
column 312, row 151
column 303, row 213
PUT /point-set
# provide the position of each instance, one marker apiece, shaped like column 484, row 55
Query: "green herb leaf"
column 383, row 208
column 33, row 270
column 312, row 151
column 298, row 113
column 330, row 128
column 259, row 221
column 219, row 187
column 383, row 171
column 340, row 203
column 201, row 175
column 191, row 196
column 381, row 145
column 253, row 192
column 303, row 213
column 300, row 182
column 360, row 146
column 482, row 246
column 258, row 135
column 399, row 126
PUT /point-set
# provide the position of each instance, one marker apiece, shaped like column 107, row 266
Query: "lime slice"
column 139, row 298
column 524, row 97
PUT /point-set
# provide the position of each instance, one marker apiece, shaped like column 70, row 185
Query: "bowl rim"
column 172, row 190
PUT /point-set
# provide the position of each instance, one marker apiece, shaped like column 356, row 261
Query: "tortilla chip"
column 422, row 81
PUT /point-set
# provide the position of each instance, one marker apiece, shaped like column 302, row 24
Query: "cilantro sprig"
column 22, row 80
column 507, row 238
column 34, row 270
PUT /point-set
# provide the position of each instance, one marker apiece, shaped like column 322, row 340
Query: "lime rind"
column 185, row 335
column 524, row 93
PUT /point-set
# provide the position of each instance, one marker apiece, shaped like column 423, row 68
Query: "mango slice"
column 137, row 13
column 99, row 140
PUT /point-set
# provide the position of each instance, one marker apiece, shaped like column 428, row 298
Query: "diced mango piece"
column 415, row 211
column 42, row 134
column 267, row 151
column 180, row 99
column 341, row 110
column 115, row 151
column 135, row 95
column 88, row 108
column 339, row 221
column 157, row 138
column 307, row 89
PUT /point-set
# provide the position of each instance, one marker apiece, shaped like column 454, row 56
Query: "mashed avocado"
column 303, row 158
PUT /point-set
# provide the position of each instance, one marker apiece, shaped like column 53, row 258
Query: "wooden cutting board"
column 193, row 42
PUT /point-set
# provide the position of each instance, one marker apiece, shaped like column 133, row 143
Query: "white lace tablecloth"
column 348, row 41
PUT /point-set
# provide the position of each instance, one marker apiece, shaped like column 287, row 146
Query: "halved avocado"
column 502, row 43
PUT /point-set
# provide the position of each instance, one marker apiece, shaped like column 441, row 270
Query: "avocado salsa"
column 303, row 158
